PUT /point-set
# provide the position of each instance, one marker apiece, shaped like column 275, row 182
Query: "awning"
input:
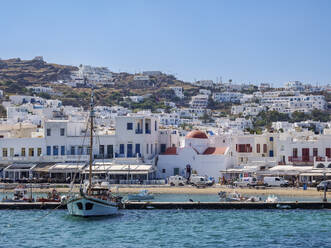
column 120, row 169
column 67, row 167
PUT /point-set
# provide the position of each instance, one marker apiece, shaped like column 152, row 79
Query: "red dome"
column 196, row 134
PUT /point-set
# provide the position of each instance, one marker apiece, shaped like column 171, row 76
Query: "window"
column 129, row 126
column 328, row 152
column 163, row 148
column 80, row 205
column 147, row 148
column 62, row 131
column 163, row 170
column 89, row 206
column 39, row 151
column 31, row 152
column 155, row 148
column 23, row 152
column 176, row 171
column 138, row 148
column 110, row 151
column 11, row 151
column 271, row 139
column 155, row 125
column 72, row 150
column 295, row 152
column 258, row 148
column 48, row 131
column 151, row 148
column 48, row 151
column 63, row 150
column 121, row 148
column 55, row 150
column 4, row 152
column 101, row 150
column 80, row 150
column 265, row 148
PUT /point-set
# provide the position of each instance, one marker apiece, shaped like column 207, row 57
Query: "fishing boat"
column 143, row 195
column 21, row 194
column 93, row 199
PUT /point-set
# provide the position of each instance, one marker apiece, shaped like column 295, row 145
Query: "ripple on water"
column 168, row 228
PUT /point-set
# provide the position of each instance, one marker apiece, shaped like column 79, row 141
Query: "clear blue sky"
column 245, row 40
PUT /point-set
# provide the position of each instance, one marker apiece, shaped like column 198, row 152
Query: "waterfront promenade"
column 165, row 189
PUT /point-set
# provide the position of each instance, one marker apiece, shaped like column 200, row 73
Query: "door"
column 176, row 171
column 305, row 154
column 129, row 151
column 138, row 149
column 110, row 151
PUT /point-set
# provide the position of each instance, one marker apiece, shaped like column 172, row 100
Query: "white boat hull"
column 88, row 206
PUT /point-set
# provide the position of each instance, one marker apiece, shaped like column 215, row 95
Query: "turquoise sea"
column 167, row 228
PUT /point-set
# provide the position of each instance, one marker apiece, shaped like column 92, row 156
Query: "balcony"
column 139, row 131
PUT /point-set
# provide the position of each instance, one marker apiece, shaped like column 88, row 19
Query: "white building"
column 199, row 101
column 141, row 78
column 178, row 92
column 295, row 85
column 199, row 153
column 233, row 97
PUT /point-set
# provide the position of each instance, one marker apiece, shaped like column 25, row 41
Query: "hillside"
column 16, row 74
column 27, row 72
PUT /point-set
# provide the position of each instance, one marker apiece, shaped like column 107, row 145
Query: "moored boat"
column 93, row 199
column 143, row 195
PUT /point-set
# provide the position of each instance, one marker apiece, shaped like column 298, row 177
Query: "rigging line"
column 103, row 155
column 49, row 212
column 79, row 157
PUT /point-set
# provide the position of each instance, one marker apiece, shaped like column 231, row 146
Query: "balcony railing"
column 303, row 159
column 139, row 131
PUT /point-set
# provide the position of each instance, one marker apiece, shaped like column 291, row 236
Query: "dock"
column 177, row 205
column 226, row 205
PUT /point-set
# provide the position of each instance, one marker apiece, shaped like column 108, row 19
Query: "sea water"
column 167, row 228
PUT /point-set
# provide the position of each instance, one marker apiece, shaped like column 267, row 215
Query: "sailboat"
column 93, row 199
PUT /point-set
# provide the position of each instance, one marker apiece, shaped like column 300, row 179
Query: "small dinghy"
column 141, row 196
column 271, row 199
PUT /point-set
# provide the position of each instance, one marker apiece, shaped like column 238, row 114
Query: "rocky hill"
column 27, row 72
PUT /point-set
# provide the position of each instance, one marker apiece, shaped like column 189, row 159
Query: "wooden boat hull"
column 88, row 206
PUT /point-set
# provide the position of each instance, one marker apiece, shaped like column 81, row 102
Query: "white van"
column 246, row 182
column 177, row 181
column 198, row 180
column 275, row 181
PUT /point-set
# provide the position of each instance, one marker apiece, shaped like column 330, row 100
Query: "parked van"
column 177, row 181
column 246, row 182
column 275, row 181
column 198, row 180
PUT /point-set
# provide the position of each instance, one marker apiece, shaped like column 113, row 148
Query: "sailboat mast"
column 91, row 143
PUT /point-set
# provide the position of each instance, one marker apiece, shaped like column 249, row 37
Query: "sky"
column 244, row 40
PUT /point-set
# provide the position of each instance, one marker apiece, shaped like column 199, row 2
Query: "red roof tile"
column 215, row 151
column 170, row 151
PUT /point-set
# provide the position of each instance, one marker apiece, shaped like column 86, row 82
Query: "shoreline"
column 133, row 189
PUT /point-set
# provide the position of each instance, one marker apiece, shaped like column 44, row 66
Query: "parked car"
column 322, row 184
column 177, row 180
column 275, row 181
column 246, row 182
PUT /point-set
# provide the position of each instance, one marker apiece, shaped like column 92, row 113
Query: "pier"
column 178, row 205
